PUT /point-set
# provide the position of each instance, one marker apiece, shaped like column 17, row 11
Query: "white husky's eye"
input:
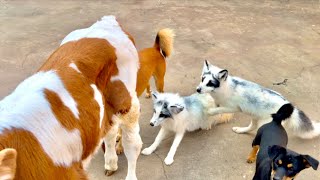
column 154, row 111
column 202, row 78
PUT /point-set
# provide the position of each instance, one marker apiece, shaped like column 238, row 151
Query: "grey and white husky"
column 181, row 114
column 233, row 94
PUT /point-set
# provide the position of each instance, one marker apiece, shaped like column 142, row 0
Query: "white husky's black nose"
column 151, row 124
column 199, row 90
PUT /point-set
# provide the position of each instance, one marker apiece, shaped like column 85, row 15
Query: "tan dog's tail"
column 164, row 41
column 223, row 118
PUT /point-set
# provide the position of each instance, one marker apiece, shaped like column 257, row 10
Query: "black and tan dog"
column 273, row 158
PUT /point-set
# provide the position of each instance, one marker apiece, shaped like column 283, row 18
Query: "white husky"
column 181, row 114
column 233, row 94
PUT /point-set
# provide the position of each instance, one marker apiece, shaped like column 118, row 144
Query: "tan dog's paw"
column 251, row 160
column 109, row 172
column 148, row 95
column 119, row 150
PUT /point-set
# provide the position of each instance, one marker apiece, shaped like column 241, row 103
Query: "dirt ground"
column 262, row 41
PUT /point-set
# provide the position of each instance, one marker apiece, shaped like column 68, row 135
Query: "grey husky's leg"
column 177, row 139
column 161, row 135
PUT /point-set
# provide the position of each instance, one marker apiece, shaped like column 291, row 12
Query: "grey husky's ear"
column 176, row 108
column 154, row 95
column 206, row 65
column 222, row 75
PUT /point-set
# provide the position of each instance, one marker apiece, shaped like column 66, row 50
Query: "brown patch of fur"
column 253, row 154
column 118, row 97
column 61, row 112
column 153, row 64
column 96, row 60
column 32, row 161
column 94, row 57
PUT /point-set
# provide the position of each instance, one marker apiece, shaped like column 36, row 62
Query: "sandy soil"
column 262, row 41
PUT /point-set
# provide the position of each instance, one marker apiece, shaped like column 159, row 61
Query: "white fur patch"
column 6, row 177
column 74, row 66
column 127, row 57
column 27, row 108
column 98, row 98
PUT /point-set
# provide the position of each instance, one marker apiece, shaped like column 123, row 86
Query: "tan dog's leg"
column 148, row 92
column 119, row 147
column 159, row 77
column 253, row 154
column 131, row 139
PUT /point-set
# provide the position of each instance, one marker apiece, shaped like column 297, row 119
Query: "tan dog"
column 152, row 63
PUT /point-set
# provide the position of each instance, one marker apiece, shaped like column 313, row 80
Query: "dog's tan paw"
column 251, row 160
column 108, row 172
column 148, row 95
column 119, row 150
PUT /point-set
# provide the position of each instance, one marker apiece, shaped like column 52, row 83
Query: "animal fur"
column 233, row 94
column 8, row 163
column 56, row 119
column 122, row 105
column 269, row 150
column 180, row 114
column 153, row 62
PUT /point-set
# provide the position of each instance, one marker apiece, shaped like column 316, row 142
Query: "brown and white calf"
column 57, row 118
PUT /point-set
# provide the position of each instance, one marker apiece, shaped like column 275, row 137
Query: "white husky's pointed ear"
column 176, row 108
column 222, row 75
column 206, row 66
column 154, row 95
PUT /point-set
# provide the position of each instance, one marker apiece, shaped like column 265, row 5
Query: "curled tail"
column 302, row 126
column 164, row 41
column 283, row 113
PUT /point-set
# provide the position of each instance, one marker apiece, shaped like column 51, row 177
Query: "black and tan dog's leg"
column 253, row 154
column 255, row 146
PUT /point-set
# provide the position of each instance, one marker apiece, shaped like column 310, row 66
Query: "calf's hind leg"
column 131, row 139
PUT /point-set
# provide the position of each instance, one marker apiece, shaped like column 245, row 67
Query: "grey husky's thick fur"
column 181, row 114
column 233, row 94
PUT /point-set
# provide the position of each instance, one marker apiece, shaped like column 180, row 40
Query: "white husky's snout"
column 199, row 89
column 153, row 122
